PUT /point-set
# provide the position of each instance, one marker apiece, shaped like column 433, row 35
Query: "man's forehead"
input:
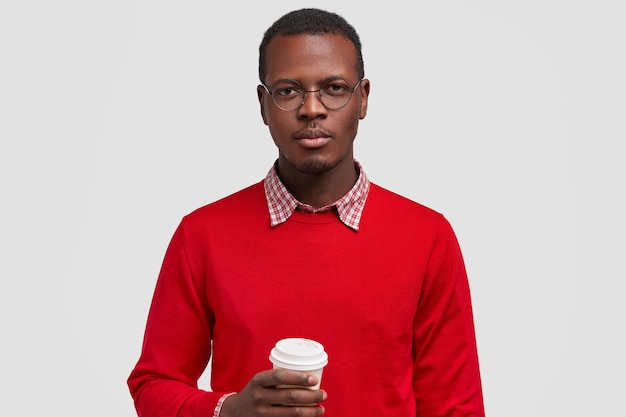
column 320, row 56
column 309, row 45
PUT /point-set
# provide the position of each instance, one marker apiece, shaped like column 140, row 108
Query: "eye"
column 336, row 89
column 287, row 92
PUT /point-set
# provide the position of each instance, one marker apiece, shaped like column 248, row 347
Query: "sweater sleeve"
column 177, row 343
column 446, row 378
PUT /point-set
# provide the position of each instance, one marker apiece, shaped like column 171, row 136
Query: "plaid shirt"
column 281, row 203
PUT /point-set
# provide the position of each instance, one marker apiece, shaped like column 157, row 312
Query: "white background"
column 119, row 117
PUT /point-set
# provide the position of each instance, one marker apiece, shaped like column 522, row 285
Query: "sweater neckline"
column 325, row 217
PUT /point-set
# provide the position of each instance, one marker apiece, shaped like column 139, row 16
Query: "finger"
column 298, row 396
column 276, row 377
column 298, row 411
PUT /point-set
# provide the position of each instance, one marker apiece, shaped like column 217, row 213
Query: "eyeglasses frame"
column 319, row 96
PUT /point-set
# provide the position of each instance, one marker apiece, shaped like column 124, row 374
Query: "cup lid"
column 299, row 354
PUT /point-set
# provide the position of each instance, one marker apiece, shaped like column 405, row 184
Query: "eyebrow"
column 296, row 82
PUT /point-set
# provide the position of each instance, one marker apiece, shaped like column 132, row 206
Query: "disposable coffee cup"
column 300, row 354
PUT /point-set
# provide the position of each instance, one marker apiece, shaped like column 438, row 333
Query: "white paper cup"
column 300, row 354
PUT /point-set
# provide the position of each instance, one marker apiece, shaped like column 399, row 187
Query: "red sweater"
column 390, row 303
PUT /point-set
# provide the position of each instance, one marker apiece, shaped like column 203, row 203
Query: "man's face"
column 312, row 139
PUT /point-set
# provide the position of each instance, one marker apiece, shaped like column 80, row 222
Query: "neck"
column 319, row 189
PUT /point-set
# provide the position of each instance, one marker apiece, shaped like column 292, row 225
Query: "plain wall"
column 119, row 117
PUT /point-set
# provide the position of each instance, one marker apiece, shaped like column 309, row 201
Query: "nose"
column 312, row 106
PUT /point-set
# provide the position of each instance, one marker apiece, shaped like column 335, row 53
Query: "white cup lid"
column 299, row 354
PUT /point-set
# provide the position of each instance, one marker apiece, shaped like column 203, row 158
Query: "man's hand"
column 262, row 398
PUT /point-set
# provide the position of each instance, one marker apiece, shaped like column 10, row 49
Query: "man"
column 317, row 251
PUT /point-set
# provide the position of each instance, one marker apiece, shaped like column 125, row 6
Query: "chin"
column 314, row 163
column 314, row 166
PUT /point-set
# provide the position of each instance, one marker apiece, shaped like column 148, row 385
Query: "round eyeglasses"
column 333, row 94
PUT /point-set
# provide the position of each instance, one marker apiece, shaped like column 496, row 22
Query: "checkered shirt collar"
column 281, row 203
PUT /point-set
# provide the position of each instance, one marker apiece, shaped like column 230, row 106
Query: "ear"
column 365, row 92
column 260, row 91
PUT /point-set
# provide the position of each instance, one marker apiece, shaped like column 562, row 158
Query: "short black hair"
column 310, row 22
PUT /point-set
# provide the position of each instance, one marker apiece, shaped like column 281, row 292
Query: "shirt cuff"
column 218, row 407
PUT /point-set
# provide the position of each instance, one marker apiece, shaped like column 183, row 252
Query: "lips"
column 313, row 138
column 312, row 133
